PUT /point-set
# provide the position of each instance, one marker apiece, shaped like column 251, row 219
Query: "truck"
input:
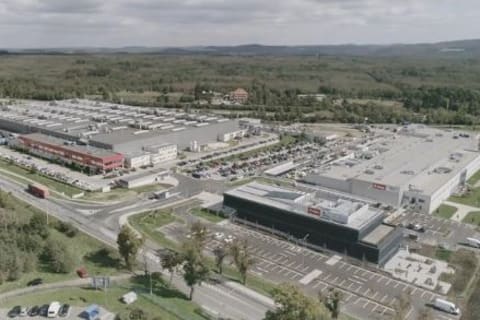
column 38, row 190
column 446, row 306
column 472, row 242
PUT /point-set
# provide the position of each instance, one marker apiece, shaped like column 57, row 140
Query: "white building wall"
column 448, row 189
column 137, row 161
column 377, row 191
column 327, row 182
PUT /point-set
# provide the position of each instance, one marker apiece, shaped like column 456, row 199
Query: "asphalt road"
column 218, row 298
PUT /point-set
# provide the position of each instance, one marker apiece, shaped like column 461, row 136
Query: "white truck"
column 446, row 306
column 472, row 242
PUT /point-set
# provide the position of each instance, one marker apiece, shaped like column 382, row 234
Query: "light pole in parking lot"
column 304, row 240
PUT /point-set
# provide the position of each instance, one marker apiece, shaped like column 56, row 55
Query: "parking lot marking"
column 384, row 298
column 311, row 276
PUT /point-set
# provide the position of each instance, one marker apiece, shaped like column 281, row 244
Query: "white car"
column 23, row 312
column 229, row 239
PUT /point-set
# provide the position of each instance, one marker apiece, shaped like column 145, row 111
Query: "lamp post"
column 304, row 240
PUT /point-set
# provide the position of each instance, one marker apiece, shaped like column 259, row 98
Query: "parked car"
column 64, row 310
column 35, row 282
column 34, row 311
column 43, row 310
column 14, row 312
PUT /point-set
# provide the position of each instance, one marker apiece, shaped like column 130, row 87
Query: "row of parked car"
column 52, row 310
column 27, row 163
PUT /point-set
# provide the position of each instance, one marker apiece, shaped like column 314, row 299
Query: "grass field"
column 165, row 303
column 88, row 252
column 473, row 218
column 472, row 198
column 123, row 194
column 50, row 183
column 148, row 223
column 207, row 215
column 445, row 211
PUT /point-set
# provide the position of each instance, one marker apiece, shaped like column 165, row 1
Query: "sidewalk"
column 462, row 210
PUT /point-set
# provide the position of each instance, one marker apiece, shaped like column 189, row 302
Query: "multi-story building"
column 229, row 136
column 239, row 96
column 346, row 226
column 68, row 152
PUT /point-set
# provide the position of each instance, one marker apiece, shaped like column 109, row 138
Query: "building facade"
column 343, row 226
column 97, row 160
column 239, row 96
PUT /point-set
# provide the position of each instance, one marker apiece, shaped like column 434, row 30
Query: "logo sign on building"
column 314, row 211
column 379, row 186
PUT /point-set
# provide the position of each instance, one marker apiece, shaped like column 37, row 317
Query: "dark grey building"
column 348, row 227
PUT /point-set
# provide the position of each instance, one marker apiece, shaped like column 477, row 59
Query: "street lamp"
column 304, row 240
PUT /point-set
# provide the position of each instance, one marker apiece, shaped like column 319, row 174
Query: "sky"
column 161, row 23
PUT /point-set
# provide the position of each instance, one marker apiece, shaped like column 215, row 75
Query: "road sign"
column 101, row 282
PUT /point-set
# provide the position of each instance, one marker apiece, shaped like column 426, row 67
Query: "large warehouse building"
column 120, row 128
column 95, row 159
column 417, row 167
column 341, row 225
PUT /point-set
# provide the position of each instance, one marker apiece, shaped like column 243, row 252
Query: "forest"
column 441, row 90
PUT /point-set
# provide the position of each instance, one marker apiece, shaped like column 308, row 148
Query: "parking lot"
column 438, row 231
column 252, row 164
column 367, row 293
column 75, row 314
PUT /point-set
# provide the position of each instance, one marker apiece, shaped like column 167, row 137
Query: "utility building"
column 341, row 225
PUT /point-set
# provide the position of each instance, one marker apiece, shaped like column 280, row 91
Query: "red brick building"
column 239, row 96
column 96, row 159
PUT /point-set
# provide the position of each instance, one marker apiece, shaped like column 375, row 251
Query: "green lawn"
column 474, row 179
column 148, row 224
column 443, row 254
column 207, row 215
column 470, row 199
column 473, row 218
column 123, row 194
column 165, row 303
column 445, row 211
column 50, row 183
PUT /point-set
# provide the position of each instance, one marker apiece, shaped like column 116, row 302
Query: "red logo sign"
column 314, row 211
column 379, row 186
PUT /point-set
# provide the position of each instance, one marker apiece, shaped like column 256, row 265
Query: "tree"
column 332, row 302
column 242, row 258
column 425, row 314
column 38, row 225
column 170, row 260
column 292, row 304
column 220, row 253
column 195, row 266
column 199, row 233
column 129, row 243
column 402, row 306
column 59, row 257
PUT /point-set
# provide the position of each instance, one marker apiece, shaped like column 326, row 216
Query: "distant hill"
column 461, row 48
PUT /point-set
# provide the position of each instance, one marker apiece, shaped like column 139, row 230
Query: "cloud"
column 33, row 23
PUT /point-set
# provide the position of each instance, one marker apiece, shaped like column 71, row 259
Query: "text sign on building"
column 379, row 186
column 314, row 211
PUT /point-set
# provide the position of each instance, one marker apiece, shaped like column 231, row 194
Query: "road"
column 234, row 303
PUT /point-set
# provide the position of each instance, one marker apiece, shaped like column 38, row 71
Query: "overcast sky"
column 116, row 23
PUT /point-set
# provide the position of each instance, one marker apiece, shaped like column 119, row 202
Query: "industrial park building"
column 97, row 160
column 120, row 128
column 341, row 225
column 416, row 167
